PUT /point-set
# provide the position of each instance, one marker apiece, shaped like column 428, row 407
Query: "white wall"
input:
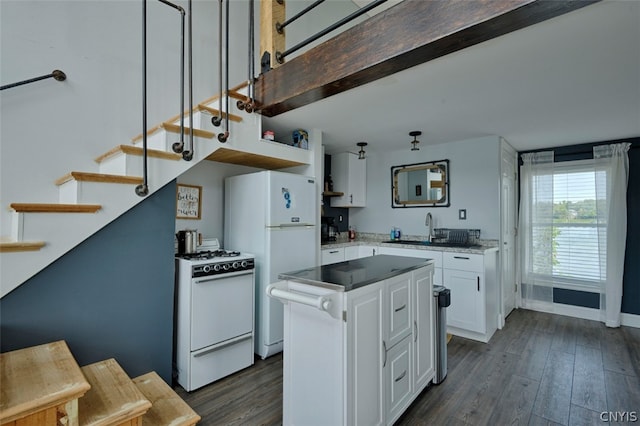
column 474, row 183
column 210, row 175
column 50, row 128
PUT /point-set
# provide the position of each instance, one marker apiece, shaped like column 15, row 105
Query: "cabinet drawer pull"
column 400, row 377
column 461, row 257
column 384, row 348
column 478, row 283
column 334, row 251
column 415, row 324
column 401, row 307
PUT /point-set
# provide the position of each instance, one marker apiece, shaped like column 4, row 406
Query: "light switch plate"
column 462, row 214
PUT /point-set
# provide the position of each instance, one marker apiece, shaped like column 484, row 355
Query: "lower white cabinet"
column 340, row 254
column 472, row 280
column 351, row 252
column 366, row 362
column 332, row 255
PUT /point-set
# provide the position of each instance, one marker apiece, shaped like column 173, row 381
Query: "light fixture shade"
column 415, row 141
column 361, row 152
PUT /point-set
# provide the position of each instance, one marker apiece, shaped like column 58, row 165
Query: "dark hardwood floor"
column 541, row 369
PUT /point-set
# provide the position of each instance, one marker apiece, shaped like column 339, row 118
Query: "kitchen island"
column 358, row 339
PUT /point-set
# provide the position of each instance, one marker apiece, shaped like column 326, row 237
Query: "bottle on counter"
column 352, row 233
column 392, row 234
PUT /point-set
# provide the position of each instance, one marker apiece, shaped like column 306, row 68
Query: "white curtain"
column 536, row 236
column 612, row 174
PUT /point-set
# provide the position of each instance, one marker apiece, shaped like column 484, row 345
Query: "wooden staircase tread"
column 136, row 150
column 113, row 398
column 17, row 246
column 37, row 378
column 215, row 111
column 175, row 128
column 167, row 407
column 99, row 177
column 54, row 208
column 232, row 91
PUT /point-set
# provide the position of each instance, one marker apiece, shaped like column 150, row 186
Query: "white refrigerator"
column 273, row 216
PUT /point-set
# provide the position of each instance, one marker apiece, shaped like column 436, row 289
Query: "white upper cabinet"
column 349, row 177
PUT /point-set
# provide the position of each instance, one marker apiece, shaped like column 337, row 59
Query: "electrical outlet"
column 340, row 218
column 462, row 214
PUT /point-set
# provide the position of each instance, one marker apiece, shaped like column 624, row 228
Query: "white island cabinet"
column 358, row 340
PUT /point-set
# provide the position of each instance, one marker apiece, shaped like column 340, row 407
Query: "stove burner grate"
column 210, row 254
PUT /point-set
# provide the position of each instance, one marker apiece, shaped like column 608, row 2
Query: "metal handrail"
column 143, row 189
column 281, row 55
column 178, row 147
column 280, row 27
column 55, row 74
column 217, row 121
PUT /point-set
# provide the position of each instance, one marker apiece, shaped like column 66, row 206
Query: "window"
column 563, row 243
column 575, row 231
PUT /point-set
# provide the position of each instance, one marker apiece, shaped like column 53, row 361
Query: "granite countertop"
column 352, row 274
column 378, row 240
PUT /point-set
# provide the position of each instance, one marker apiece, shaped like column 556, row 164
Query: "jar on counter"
column 352, row 233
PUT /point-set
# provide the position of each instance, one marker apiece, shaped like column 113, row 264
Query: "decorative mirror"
column 420, row 185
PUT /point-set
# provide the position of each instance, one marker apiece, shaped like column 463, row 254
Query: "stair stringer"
column 63, row 232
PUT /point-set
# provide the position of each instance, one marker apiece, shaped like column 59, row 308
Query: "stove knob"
column 226, row 266
column 216, row 267
column 207, row 268
column 244, row 264
column 236, row 265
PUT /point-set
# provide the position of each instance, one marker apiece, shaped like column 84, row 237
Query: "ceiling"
column 569, row 80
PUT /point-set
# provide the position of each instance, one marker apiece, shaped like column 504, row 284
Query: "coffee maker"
column 329, row 231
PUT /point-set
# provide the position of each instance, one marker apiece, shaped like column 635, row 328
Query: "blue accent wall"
column 112, row 296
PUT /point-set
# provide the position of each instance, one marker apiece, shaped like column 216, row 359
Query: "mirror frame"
column 445, row 201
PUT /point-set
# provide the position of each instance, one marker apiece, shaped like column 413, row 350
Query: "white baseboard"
column 628, row 320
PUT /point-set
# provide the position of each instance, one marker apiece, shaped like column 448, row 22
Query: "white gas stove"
column 214, row 316
column 212, row 260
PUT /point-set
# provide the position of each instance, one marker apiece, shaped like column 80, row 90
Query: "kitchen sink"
column 433, row 243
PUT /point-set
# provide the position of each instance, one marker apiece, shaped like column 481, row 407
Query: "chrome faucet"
column 429, row 223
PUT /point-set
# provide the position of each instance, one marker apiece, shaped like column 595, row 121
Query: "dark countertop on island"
column 352, row 274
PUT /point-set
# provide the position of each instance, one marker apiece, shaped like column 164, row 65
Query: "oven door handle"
column 206, row 278
column 222, row 345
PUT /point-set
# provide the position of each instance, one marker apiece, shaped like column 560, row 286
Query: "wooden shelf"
column 332, row 194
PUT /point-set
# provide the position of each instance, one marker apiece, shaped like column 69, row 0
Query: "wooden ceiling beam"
column 408, row 34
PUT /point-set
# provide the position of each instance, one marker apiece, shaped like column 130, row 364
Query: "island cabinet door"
column 423, row 328
column 399, row 309
column 366, row 349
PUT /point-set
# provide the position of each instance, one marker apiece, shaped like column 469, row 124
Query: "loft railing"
column 281, row 55
column 178, row 147
column 55, row 74
column 273, row 52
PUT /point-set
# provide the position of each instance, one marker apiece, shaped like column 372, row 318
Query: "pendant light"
column 415, row 142
column 361, row 152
